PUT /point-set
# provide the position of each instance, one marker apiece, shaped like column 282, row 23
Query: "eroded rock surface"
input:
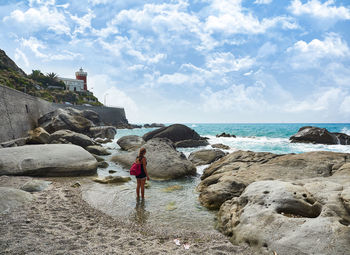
column 203, row 157
column 227, row 177
column 289, row 218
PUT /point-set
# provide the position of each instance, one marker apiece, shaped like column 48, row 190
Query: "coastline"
column 59, row 221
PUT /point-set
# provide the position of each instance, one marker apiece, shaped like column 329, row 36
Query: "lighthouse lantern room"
column 81, row 75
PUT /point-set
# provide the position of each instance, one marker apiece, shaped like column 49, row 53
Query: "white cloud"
column 307, row 54
column 234, row 98
column 315, row 8
column 345, row 105
column 36, row 46
column 320, row 101
column 83, row 22
column 38, row 18
column 230, row 18
column 267, row 49
column 226, row 62
column 19, row 55
column 139, row 50
column 263, row 1
column 104, row 88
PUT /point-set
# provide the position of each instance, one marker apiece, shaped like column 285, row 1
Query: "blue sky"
column 193, row 61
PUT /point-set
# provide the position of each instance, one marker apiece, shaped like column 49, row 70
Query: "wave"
column 274, row 145
column 345, row 131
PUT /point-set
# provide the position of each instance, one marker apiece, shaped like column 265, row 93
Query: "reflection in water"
column 140, row 215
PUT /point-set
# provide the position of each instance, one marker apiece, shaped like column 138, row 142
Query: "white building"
column 73, row 84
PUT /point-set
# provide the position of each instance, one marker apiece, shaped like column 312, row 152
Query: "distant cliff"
column 37, row 84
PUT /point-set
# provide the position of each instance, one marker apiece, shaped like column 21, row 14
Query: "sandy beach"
column 58, row 221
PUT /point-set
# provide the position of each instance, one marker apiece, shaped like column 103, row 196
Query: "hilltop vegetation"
column 37, row 84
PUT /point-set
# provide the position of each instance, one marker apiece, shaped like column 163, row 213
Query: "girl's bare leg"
column 138, row 188
column 143, row 188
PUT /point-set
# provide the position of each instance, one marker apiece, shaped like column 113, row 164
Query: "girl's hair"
column 142, row 152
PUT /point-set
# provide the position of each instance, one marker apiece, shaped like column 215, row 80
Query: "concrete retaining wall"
column 19, row 113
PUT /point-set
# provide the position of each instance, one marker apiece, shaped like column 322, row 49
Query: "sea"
column 173, row 206
column 258, row 137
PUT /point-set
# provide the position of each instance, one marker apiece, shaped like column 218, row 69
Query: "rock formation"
column 130, row 142
column 163, row 161
column 47, row 160
column 177, row 133
column 203, row 157
column 310, row 134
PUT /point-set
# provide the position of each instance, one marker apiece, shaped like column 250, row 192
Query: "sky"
column 205, row 61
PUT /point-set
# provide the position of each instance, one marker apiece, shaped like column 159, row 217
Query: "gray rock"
column 191, row 143
column 288, row 218
column 35, row 185
column 225, row 135
column 12, row 198
column 103, row 140
column 47, row 160
column 108, row 132
column 67, row 118
column 310, row 134
column 68, row 136
column 221, row 146
column 38, row 136
column 175, row 133
column 130, row 142
column 204, row 157
column 227, row 177
column 14, row 143
column 103, row 164
column 112, row 179
column 164, row 162
column 97, row 150
column 92, row 116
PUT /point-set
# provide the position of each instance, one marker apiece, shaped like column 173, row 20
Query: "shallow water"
column 178, row 208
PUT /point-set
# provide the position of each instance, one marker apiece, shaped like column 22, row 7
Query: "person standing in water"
column 141, row 178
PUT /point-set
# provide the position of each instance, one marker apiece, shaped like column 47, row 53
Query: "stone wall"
column 19, row 113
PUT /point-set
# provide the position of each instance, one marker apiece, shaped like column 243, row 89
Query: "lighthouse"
column 81, row 75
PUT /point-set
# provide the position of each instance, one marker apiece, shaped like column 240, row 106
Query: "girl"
column 141, row 178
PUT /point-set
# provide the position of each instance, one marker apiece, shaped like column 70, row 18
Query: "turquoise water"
column 179, row 211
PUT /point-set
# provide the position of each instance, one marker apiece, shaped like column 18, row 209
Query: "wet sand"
column 58, row 221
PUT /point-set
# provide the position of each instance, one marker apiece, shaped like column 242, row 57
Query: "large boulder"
column 318, row 135
column 47, row 160
column 228, row 177
column 68, row 136
column 108, row 132
column 164, row 162
column 92, row 116
column 225, row 135
column 221, row 146
column 175, row 133
column 97, row 150
column 11, row 198
column 191, row 143
column 38, row 136
column 67, row 118
column 204, row 157
column 289, row 218
column 130, row 142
